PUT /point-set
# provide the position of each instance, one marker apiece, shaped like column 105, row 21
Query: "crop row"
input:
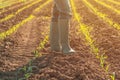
column 18, row 11
column 8, row 3
column 13, row 7
column 101, row 15
column 115, row 2
column 82, row 27
column 85, row 30
column 108, row 6
column 15, row 27
column 111, row 23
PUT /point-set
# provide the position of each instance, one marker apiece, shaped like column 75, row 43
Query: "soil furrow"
column 106, row 37
column 12, row 9
column 16, row 50
column 111, row 14
column 18, row 18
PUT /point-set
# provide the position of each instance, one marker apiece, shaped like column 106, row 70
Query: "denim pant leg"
column 64, row 8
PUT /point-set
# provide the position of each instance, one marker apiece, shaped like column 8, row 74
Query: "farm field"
column 25, row 49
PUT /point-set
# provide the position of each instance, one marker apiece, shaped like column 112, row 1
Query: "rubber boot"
column 64, row 33
column 54, row 37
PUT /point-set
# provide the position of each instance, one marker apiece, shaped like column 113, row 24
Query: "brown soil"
column 106, row 37
column 112, row 4
column 18, row 18
column 16, row 50
column 107, row 11
column 12, row 9
column 10, row 6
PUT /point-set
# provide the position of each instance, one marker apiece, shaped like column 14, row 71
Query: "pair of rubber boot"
column 59, row 40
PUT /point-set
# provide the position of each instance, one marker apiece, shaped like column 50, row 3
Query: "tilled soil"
column 106, row 37
column 8, row 7
column 16, row 50
column 12, row 8
column 18, row 18
column 111, row 14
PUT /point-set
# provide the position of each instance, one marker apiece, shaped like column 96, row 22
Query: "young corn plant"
column 42, row 44
column 107, row 68
column 112, row 76
column 102, row 60
column 27, row 71
column 36, row 53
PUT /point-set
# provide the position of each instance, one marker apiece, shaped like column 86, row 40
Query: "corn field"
column 25, row 48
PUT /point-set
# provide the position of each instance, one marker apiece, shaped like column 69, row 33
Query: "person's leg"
column 65, row 14
column 54, row 33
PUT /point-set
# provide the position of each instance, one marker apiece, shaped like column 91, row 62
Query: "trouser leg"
column 64, row 36
column 54, row 32
column 65, row 14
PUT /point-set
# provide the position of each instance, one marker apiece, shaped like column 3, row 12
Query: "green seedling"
column 102, row 60
column 36, row 53
column 26, row 76
column 107, row 68
column 113, row 76
column 27, row 71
